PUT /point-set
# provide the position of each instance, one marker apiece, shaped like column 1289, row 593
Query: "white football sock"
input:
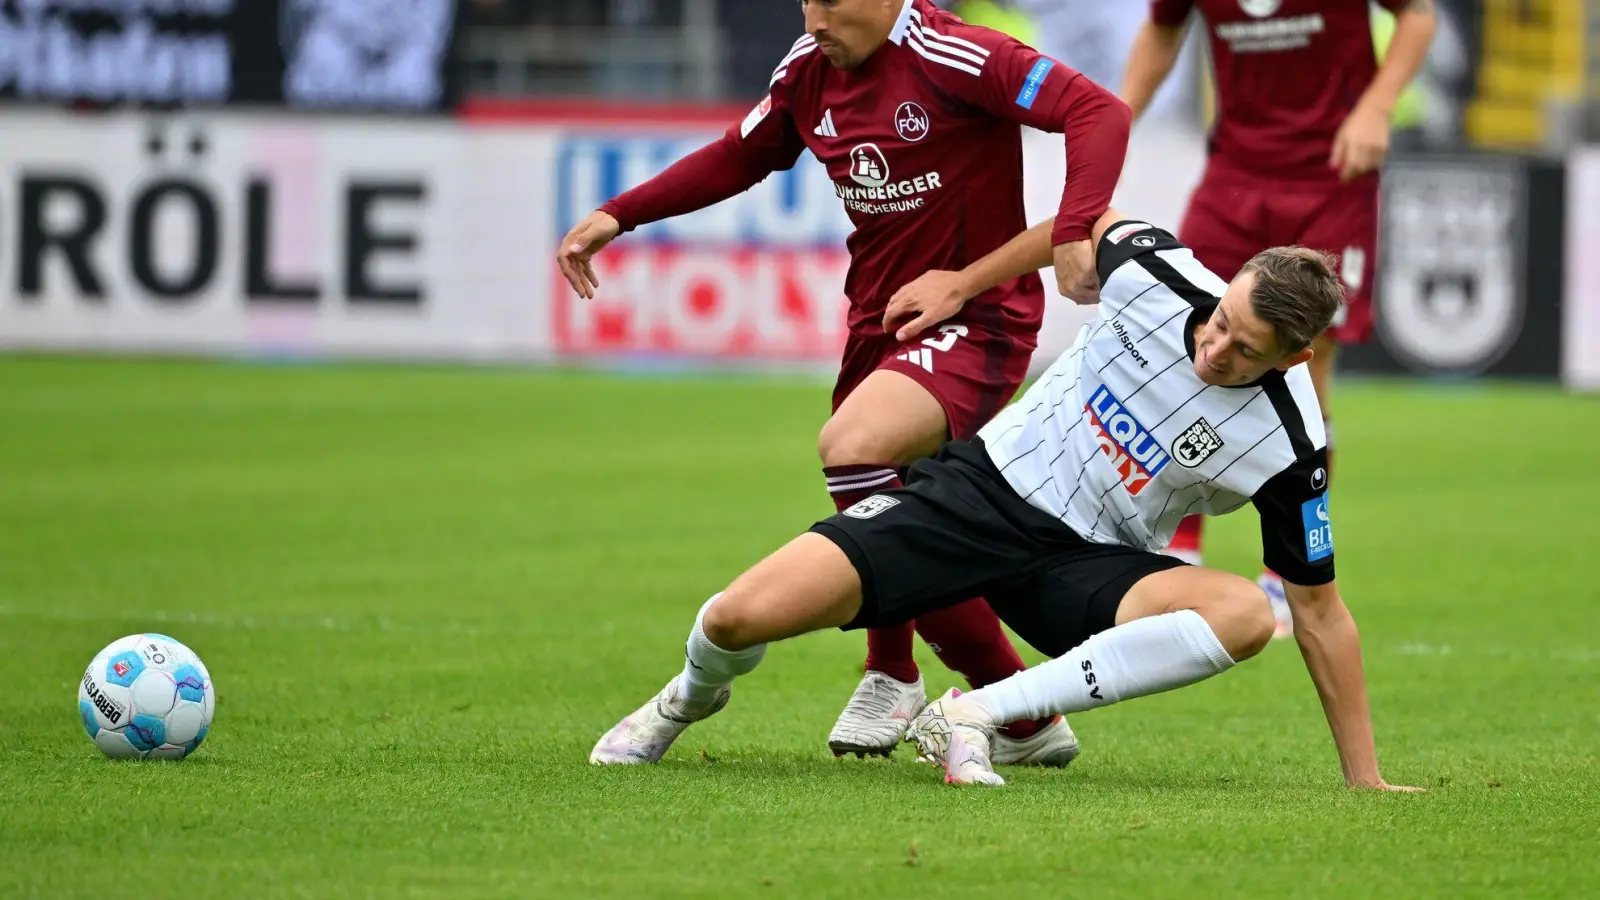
column 1145, row 656
column 708, row 668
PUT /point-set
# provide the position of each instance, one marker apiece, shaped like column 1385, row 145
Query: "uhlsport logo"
column 868, row 166
column 1134, row 452
column 911, row 122
column 1319, row 530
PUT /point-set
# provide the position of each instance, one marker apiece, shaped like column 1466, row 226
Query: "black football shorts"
column 957, row 530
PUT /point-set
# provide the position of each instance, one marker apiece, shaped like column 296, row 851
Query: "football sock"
column 1145, row 656
column 709, row 668
column 888, row 647
column 968, row 638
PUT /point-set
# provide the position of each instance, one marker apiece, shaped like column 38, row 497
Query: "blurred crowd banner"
column 368, row 55
column 244, row 233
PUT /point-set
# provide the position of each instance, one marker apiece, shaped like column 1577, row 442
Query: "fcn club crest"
column 911, row 122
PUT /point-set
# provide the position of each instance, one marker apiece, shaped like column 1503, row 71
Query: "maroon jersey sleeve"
column 1396, row 6
column 765, row 142
column 1172, row 13
column 1020, row 84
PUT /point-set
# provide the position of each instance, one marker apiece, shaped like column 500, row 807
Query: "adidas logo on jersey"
column 1134, row 452
column 826, row 129
column 921, row 356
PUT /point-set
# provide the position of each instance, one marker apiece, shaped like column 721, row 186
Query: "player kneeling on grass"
column 1185, row 395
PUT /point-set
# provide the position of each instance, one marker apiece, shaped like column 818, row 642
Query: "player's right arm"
column 765, row 142
column 1155, row 51
column 1331, row 648
column 1297, row 543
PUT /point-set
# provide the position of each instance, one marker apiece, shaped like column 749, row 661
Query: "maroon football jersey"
column 924, row 146
column 1288, row 73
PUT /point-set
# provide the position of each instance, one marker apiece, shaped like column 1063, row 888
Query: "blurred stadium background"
column 311, row 177
column 425, row 588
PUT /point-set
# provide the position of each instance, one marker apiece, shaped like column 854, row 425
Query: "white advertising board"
column 1580, row 352
column 227, row 234
column 273, row 235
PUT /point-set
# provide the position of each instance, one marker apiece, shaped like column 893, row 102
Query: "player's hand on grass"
column 1361, row 143
column 576, row 256
column 1076, row 277
column 925, row 302
column 1381, row 785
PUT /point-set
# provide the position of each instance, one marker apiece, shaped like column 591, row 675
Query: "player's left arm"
column 1363, row 140
column 1297, row 543
column 1018, row 83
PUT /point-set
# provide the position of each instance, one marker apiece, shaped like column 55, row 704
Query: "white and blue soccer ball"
column 147, row 696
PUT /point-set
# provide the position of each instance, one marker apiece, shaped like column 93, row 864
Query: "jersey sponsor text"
column 1134, row 452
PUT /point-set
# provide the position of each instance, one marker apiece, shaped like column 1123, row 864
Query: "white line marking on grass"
column 1424, row 649
column 376, row 625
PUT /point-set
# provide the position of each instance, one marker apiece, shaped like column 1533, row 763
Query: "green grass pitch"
column 425, row 592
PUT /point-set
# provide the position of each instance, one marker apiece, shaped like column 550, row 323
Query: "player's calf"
column 806, row 586
column 1174, row 628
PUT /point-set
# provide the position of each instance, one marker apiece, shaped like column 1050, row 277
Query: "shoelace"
column 875, row 697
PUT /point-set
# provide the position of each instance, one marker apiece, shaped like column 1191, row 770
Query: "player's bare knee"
column 731, row 621
column 1250, row 622
column 1240, row 616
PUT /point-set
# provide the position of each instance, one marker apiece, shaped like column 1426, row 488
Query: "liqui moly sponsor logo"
column 1134, row 452
column 757, row 277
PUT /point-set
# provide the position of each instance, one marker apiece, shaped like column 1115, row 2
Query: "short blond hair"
column 1297, row 292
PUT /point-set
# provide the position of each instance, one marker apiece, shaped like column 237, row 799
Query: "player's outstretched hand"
column 925, row 302
column 1360, row 144
column 1386, row 786
column 1076, row 277
column 576, row 256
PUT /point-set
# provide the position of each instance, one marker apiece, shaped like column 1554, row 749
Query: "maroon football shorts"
column 972, row 369
column 1229, row 221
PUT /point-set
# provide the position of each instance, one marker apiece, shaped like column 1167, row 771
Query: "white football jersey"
column 1120, row 439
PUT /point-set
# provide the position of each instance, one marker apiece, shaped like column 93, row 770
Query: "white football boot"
column 645, row 736
column 1054, row 747
column 877, row 716
column 956, row 733
column 1282, row 617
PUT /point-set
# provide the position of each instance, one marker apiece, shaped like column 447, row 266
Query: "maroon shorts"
column 973, row 370
column 1229, row 221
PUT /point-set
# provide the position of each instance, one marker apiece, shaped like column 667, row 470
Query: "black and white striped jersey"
column 1120, row 439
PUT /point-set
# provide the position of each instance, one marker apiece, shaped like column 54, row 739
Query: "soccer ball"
column 146, row 696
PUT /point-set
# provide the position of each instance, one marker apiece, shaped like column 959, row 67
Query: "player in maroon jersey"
column 1302, row 126
column 916, row 116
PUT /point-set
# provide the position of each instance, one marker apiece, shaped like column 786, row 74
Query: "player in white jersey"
column 1186, row 394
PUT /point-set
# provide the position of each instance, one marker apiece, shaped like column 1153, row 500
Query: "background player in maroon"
column 1302, row 126
column 916, row 116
